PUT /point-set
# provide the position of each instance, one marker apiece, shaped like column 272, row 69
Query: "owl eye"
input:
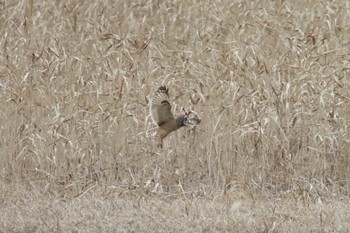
column 185, row 112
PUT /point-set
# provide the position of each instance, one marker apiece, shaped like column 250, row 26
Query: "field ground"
column 112, row 209
column 270, row 80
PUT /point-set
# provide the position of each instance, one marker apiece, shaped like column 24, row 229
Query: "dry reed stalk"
column 270, row 79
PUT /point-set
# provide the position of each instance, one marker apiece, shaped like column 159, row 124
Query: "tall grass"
column 269, row 78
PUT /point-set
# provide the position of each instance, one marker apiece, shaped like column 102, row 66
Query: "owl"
column 162, row 116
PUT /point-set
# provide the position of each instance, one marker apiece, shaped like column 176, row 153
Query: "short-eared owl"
column 160, row 109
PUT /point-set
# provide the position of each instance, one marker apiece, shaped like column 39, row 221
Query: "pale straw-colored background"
column 269, row 78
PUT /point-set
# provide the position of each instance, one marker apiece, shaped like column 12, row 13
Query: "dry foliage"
column 269, row 78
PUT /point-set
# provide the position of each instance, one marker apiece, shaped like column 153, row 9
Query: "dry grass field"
column 270, row 79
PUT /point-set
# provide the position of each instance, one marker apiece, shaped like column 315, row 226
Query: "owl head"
column 191, row 118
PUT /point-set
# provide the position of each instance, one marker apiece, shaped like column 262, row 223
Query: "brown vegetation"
column 270, row 80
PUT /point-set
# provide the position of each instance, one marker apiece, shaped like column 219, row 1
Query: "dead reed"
column 269, row 78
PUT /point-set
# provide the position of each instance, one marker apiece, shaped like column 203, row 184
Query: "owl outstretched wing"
column 160, row 107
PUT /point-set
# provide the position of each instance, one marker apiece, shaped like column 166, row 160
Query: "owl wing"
column 160, row 107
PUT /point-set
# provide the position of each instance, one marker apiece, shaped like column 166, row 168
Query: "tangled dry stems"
column 269, row 78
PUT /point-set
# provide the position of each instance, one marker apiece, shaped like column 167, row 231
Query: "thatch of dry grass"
column 269, row 78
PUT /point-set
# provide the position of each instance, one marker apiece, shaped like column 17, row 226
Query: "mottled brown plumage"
column 161, row 114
